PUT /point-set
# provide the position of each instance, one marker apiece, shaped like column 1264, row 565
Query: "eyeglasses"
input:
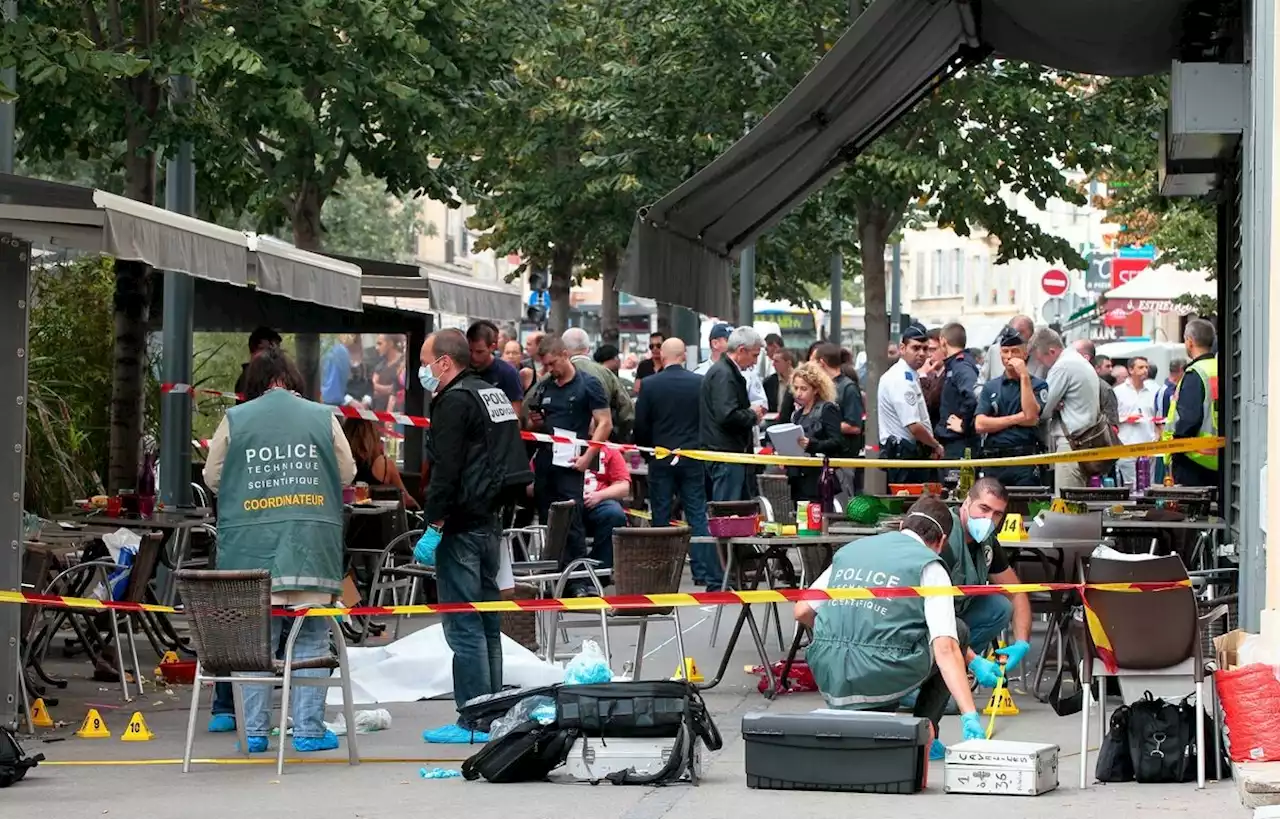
column 655, row 346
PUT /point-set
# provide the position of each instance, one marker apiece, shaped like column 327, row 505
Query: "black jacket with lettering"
column 476, row 456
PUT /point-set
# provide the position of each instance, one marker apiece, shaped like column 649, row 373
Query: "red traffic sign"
column 1054, row 283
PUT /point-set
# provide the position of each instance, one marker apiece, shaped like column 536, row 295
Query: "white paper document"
column 565, row 455
column 786, row 439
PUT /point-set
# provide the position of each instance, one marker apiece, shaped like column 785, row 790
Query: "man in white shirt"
column 1136, row 403
column 1072, row 403
column 718, row 341
column 905, row 430
column 867, row 654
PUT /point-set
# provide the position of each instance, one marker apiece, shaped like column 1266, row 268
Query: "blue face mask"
column 427, row 378
column 981, row 528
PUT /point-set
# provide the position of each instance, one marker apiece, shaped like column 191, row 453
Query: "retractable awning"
column 55, row 215
column 464, row 296
column 683, row 247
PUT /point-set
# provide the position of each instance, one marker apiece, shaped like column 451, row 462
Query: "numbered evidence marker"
column 93, row 726
column 137, row 731
column 1012, row 528
column 40, row 715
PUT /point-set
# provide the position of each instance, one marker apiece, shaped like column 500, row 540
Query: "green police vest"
column 280, row 496
column 1207, row 369
column 968, row 565
column 870, row 653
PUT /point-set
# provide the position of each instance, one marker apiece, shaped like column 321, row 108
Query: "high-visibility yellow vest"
column 1207, row 369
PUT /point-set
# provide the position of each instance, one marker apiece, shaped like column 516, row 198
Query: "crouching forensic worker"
column 278, row 463
column 867, row 654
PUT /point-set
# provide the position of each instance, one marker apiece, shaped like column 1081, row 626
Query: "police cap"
column 1009, row 338
column 915, row 332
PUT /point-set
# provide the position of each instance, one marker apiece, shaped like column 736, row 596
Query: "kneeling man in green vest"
column 868, row 654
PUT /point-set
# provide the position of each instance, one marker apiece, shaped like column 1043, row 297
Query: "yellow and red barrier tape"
column 626, row 601
column 1169, row 447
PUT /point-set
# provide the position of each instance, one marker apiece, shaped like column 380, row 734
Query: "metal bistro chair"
column 546, row 572
column 230, row 617
column 1173, row 649
column 649, row 560
column 760, row 559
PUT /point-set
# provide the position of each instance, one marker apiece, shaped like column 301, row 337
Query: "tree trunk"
column 308, row 234
column 872, row 236
column 132, row 311
column 609, row 332
column 561, row 278
column 132, row 301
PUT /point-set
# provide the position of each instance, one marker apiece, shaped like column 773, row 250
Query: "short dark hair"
column 551, row 344
column 773, row 338
column 272, row 368
column 483, row 330
column 790, row 355
column 829, row 354
column 606, row 352
column 934, row 335
column 452, row 344
column 929, row 518
column 988, row 486
column 263, row 337
column 955, row 336
column 658, row 334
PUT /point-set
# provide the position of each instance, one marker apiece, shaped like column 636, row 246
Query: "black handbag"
column 1070, row 704
column 1115, row 764
column 526, row 753
column 1162, row 740
column 14, row 763
column 642, row 709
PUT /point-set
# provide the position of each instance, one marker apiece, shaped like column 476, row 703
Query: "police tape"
column 1167, row 447
column 1108, row 453
column 624, row 601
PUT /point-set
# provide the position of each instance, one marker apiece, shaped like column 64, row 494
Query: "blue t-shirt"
column 336, row 374
column 570, row 407
column 505, row 377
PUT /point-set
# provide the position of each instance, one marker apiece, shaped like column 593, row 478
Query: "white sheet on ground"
column 420, row 667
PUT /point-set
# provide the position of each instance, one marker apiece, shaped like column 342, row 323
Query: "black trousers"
column 934, row 695
column 895, row 450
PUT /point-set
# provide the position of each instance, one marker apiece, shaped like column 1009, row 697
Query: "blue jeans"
column 601, row 521
column 728, row 482
column 986, row 617
column 224, row 701
column 307, row 701
column 687, row 479
column 467, row 566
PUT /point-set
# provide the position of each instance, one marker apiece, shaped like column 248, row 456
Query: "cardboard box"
column 1227, row 648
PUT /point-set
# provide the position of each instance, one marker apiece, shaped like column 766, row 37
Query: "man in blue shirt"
column 1008, row 412
column 486, row 363
column 344, row 356
column 959, row 400
column 570, row 403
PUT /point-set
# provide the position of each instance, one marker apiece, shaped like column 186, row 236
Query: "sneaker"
column 257, row 745
column 454, row 734
column 222, row 723
column 304, row 745
column 937, row 751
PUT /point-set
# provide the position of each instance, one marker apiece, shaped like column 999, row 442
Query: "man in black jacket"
column 476, row 458
column 727, row 417
column 663, row 419
column 260, row 339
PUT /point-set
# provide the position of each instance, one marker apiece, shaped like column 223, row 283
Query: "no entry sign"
column 1054, row 283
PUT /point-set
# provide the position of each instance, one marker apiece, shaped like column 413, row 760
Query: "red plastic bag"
column 800, row 680
column 1250, row 698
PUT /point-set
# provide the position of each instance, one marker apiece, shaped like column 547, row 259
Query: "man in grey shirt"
column 1072, row 401
column 992, row 366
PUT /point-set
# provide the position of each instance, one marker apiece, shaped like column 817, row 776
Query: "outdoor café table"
column 1204, row 555
column 733, row 573
column 176, row 525
column 1059, row 561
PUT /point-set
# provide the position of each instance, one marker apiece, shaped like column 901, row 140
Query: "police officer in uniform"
column 477, row 463
column 867, row 654
column 905, row 433
column 959, row 400
column 1009, row 412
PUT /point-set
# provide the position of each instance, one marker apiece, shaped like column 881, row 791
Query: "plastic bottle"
column 967, row 475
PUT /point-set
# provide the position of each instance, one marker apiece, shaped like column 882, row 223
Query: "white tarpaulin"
column 420, row 667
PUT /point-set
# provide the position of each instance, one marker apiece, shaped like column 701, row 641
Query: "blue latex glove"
column 425, row 551
column 1013, row 655
column 986, row 672
column 972, row 726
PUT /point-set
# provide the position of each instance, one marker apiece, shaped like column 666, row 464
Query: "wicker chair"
column 649, row 561
column 230, row 617
column 522, row 626
column 775, row 492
